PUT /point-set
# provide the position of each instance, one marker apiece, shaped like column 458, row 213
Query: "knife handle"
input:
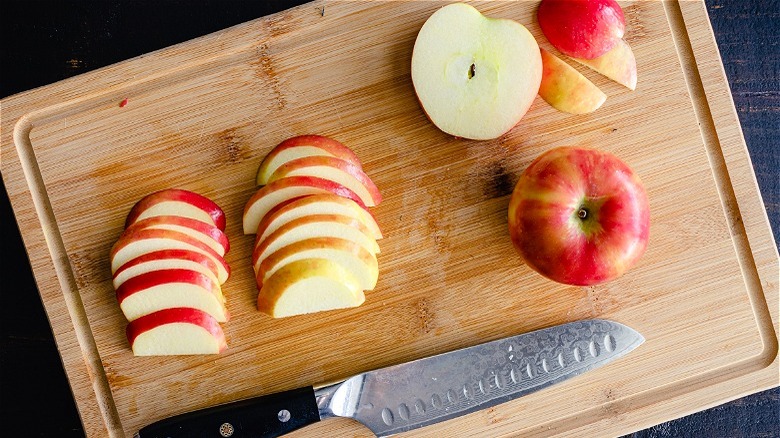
column 266, row 416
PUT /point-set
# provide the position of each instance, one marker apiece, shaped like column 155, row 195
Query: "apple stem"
column 472, row 71
column 582, row 213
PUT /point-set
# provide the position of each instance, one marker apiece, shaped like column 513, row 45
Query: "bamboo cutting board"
column 201, row 115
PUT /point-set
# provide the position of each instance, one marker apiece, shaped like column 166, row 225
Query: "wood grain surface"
column 203, row 114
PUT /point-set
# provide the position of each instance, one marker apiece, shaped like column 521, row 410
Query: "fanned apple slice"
column 177, row 331
column 166, row 259
column 566, row 89
column 299, row 147
column 170, row 288
column 619, row 64
column 140, row 242
column 308, row 286
column 177, row 202
column 206, row 233
column 282, row 190
column 334, row 169
column 316, row 204
column 351, row 256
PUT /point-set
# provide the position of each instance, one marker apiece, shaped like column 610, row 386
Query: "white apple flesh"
column 206, row 233
column 178, row 331
column 166, row 259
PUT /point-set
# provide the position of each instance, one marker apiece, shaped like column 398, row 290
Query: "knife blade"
column 419, row 393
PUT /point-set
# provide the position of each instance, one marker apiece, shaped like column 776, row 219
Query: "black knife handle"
column 266, row 416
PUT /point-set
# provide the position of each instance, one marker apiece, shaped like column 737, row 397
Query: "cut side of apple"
column 282, row 190
column 299, row 147
column 170, row 288
column 619, row 64
column 351, row 256
column 308, row 286
column 176, row 202
column 565, row 89
column 206, row 233
column 140, row 242
column 177, row 331
column 316, row 204
column 166, row 259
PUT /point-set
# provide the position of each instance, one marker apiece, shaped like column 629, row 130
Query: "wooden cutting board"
column 201, row 115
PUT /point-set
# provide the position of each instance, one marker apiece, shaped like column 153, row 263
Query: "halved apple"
column 316, row 204
column 206, row 233
column 299, row 147
column 307, row 286
column 565, row 89
column 177, row 331
column 320, row 225
column 169, row 288
column 282, row 190
column 619, row 64
column 166, row 259
column 177, row 202
column 140, row 242
column 351, row 256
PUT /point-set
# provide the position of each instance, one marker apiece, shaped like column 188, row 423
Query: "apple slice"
column 475, row 77
column 316, row 204
column 177, row 202
column 169, row 288
column 299, row 147
column 565, row 89
column 307, row 286
column 176, row 331
column 582, row 28
column 140, row 242
column 351, row 256
column 619, row 64
column 206, row 233
column 166, row 259
column 282, row 190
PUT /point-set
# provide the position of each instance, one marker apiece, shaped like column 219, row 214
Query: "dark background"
column 46, row 41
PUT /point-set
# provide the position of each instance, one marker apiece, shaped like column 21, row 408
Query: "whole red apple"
column 582, row 28
column 579, row 216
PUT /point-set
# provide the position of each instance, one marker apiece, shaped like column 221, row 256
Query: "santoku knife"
column 422, row 392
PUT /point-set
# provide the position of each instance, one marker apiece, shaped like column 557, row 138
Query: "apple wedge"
column 177, row 331
column 176, row 202
column 316, row 204
column 166, row 259
column 619, row 64
column 140, row 242
column 299, row 147
column 170, row 288
column 282, row 190
column 308, row 286
column 333, row 169
column 351, row 256
column 582, row 28
column 565, row 89
column 206, row 233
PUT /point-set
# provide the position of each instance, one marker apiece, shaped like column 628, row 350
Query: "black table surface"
column 46, row 41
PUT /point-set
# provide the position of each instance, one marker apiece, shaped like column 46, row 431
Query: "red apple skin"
column 200, row 201
column 215, row 233
column 550, row 236
column 582, row 28
column 182, row 254
column 176, row 315
column 325, row 143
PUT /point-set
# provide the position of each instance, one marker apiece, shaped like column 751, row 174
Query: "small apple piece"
column 166, row 259
column 565, row 89
column 177, row 331
column 333, row 169
column 282, row 190
column 579, row 216
column 206, row 233
column 299, row 147
column 308, row 286
column 582, row 28
column 619, row 64
column 170, row 288
column 475, row 77
column 316, row 204
column 351, row 256
column 176, row 202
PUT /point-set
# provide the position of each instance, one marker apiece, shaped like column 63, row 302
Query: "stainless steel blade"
column 426, row 391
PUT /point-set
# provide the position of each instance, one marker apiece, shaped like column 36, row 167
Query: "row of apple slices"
column 316, row 246
column 168, row 267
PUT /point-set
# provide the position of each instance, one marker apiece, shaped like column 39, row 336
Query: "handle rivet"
column 284, row 415
column 226, row 430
